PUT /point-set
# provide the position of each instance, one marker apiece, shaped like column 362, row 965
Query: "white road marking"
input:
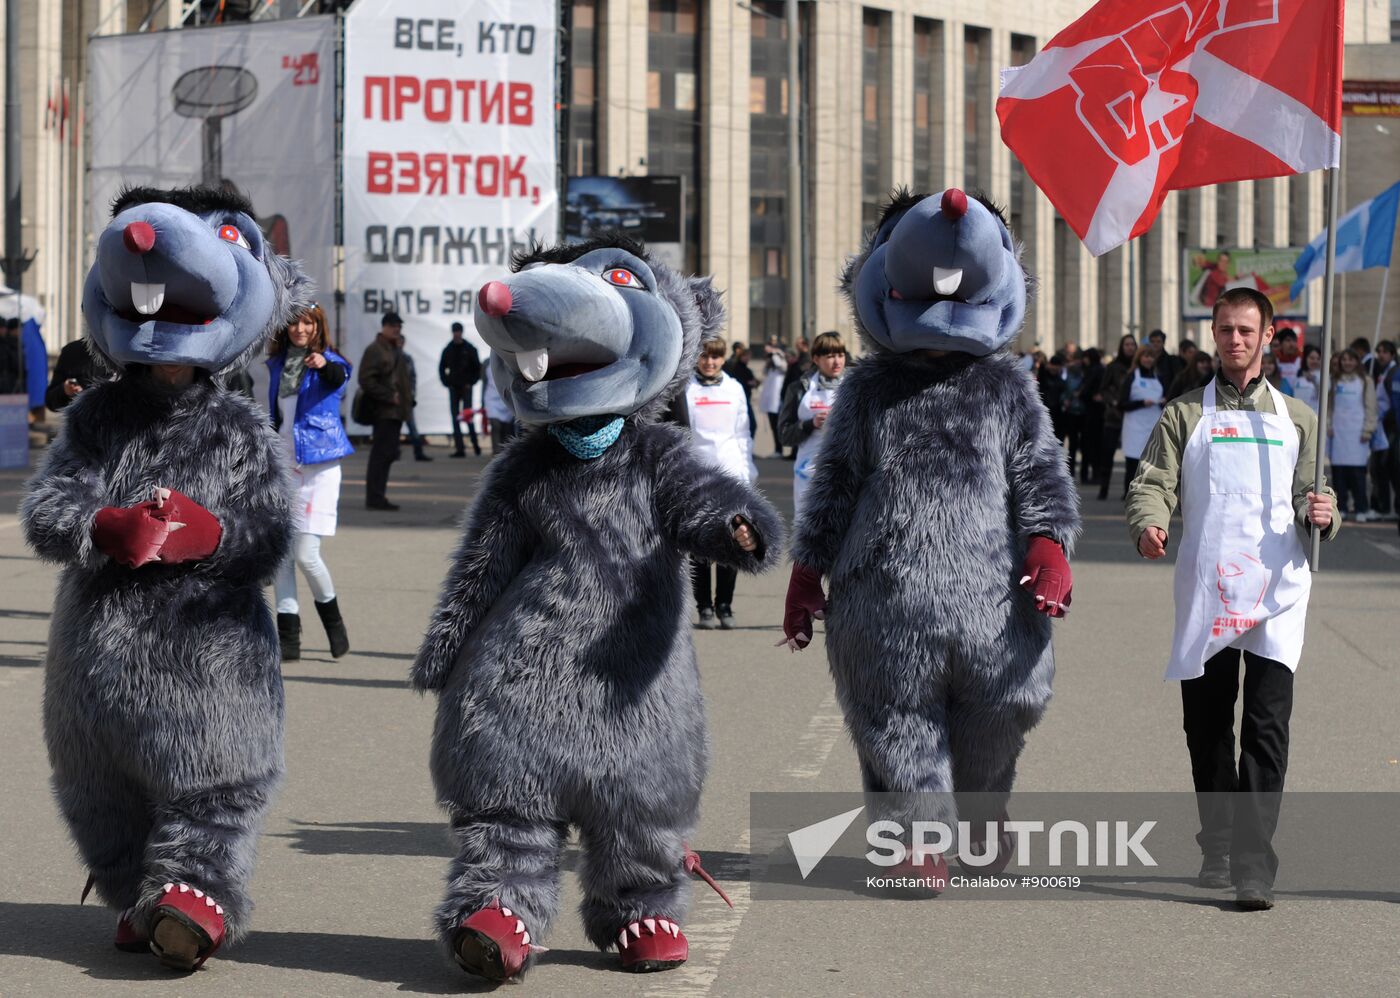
column 815, row 744
column 1387, row 548
column 711, row 933
column 715, row 926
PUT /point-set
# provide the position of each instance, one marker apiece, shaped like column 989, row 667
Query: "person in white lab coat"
column 715, row 407
column 1239, row 455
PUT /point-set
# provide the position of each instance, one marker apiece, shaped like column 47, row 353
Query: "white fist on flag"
column 1140, row 97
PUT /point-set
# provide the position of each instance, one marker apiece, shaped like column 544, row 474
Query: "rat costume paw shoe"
column 927, row 879
column 187, row 928
column 492, row 943
column 129, row 939
column 1005, row 846
column 652, row 944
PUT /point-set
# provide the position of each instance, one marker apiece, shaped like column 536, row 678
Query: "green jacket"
column 1154, row 493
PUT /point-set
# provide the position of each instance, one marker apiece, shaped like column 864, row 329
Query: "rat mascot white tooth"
column 560, row 650
column 941, row 512
column 165, row 501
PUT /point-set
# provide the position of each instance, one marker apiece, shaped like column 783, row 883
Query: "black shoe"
column 383, row 504
column 421, row 457
column 1215, row 872
column 477, row 448
column 707, row 619
column 1254, row 897
column 289, row 636
column 329, row 612
column 725, row 615
column 455, row 453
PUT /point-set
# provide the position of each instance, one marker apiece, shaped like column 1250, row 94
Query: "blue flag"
column 1365, row 236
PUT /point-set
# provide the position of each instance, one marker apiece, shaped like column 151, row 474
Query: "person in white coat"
column 770, row 396
column 1351, row 422
column 1239, row 456
column 715, row 407
column 1144, row 395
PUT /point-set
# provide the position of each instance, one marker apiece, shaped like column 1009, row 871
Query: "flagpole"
column 1380, row 306
column 1324, row 390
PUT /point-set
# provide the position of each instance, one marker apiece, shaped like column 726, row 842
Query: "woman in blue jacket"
column 306, row 385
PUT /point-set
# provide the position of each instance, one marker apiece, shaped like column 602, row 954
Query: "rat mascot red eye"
column 623, row 278
column 231, row 233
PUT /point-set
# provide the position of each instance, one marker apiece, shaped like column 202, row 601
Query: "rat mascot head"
column 939, row 273
column 183, row 277
column 594, row 329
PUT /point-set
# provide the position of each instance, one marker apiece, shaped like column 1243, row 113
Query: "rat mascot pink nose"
column 494, row 299
column 954, row 203
column 139, row 237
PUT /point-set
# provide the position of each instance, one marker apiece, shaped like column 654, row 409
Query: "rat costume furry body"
column 939, row 474
column 163, row 691
column 561, row 651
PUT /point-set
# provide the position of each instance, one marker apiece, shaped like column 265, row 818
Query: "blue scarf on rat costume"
column 588, row 437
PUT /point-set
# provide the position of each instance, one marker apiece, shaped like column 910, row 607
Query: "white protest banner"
column 449, row 165
column 249, row 105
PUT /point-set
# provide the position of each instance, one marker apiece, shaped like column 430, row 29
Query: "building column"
column 622, row 88
column 1306, row 218
column 948, row 113
column 1271, row 214
column 835, row 226
column 1115, row 313
column 1161, row 261
column 999, row 184
column 901, row 59
column 724, row 157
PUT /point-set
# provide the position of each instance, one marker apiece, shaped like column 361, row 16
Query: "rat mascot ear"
column 294, row 290
column 709, row 305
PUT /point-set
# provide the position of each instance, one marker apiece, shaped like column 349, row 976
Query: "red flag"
column 1140, row 97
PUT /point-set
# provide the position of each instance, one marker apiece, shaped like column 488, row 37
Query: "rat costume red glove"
column 1046, row 576
column 805, row 601
column 171, row 530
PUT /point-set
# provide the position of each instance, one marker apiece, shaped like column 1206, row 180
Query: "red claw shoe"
column 652, row 944
column 188, row 926
column 492, row 943
column 129, row 940
column 1006, row 848
column 929, row 877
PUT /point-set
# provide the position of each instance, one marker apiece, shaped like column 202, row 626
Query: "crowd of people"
column 1099, row 408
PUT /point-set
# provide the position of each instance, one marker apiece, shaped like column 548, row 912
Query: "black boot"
column 289, row 634
column 329, row 613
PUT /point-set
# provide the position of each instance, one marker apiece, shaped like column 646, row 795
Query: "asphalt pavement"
column 354, row 852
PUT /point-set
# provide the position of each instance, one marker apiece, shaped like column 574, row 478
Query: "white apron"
column 315, row 487
column 1138, row 424
column 1346, row 447
column 816, row 399
column 1242, row 577
column 719, row 426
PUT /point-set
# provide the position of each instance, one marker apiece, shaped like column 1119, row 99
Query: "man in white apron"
column 1240, row 457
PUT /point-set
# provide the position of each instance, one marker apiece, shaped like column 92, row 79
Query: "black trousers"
column 1108, row 447
column 383, row 451
column 725, row 577
column 1239, row 806
column 777, row 443
column 456, row 397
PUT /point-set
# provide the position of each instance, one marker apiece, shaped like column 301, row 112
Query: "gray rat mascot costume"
column 560, row 650
column 165, row 501
column 941, row 513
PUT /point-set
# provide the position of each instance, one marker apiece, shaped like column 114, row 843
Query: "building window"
column 768, row 163
column 875, row 130
column 581, row 107
column 929, row 118
column 673, row 117
column 977, row 99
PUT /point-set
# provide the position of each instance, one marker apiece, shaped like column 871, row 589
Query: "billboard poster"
column 250, row 106
column 449, row 165
column 1371, row 98
column 646, row 208
column 1208, row 272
